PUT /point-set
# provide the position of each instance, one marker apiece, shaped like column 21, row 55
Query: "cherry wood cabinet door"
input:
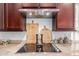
column 14, row 21
column 1, row 16
column 38, row 5
column 47, row 5
column 65, row 17
column 30, row 5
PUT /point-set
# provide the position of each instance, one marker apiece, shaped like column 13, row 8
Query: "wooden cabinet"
column 38, row 5
column 14, row 21
column 1, row 16
column 47, row 5
column 30, row 5
column 65, row 17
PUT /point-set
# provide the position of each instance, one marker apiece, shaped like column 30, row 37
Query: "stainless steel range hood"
column 39, row 12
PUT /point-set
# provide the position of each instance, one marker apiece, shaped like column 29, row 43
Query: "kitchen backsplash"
column 12, row 35
column 23, row 35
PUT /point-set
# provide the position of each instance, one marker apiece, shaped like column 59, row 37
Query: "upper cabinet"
column 30, row 5
column 47, row 5
column 13, row 18
column 1, row 16
column 65, row 17
column 38, row 5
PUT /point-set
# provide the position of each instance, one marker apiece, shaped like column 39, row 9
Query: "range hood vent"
column 38, row 12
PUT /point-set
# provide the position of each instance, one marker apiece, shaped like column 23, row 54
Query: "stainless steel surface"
column 39, row 12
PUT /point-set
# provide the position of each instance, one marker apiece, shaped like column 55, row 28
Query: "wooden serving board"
column 32, row 29
column 47, row 35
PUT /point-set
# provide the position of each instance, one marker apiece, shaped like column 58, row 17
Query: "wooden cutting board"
column 47, row 35
column 32, row 29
